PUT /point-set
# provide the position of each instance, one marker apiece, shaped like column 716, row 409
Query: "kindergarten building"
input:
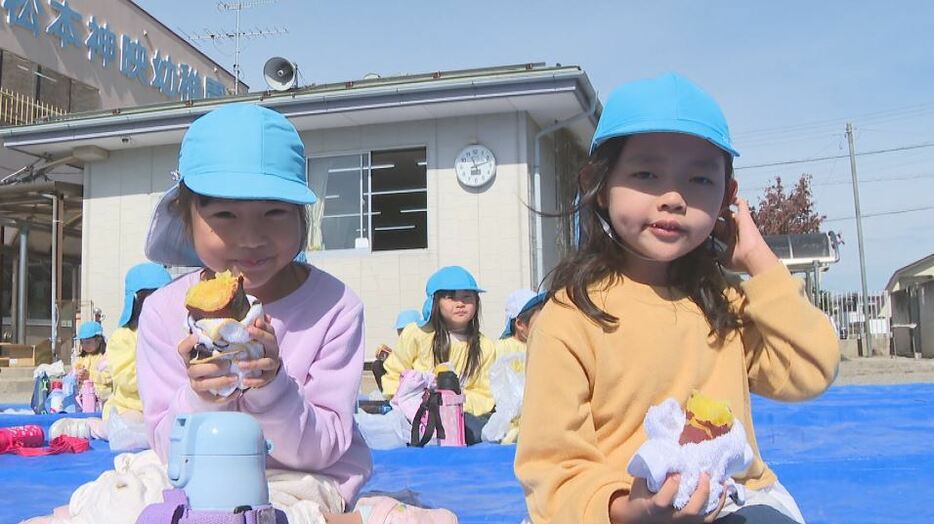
column 412, row 173
column 56, row 59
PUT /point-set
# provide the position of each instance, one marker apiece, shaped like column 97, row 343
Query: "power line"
column 884, row 213
column 848, row 182
column 835, row 157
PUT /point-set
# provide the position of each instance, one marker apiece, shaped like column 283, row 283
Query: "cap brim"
column 663, row 126
column 127, row 312
column 168, row 241
column 250, row 186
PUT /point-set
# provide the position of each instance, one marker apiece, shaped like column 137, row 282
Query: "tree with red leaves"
column 780, row 213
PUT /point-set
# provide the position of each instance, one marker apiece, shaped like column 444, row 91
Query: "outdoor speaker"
column 280, row 74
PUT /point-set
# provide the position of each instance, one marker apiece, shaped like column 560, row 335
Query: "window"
column 374, row 200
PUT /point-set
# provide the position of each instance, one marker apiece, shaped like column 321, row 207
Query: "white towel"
column 661, row 455
column 226, row 335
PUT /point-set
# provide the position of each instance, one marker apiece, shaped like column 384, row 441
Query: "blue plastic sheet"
column 857, row 454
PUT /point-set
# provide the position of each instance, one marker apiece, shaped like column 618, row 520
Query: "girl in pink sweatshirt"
column 240, row 205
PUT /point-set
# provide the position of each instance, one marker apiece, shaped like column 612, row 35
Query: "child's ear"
column 729, row 195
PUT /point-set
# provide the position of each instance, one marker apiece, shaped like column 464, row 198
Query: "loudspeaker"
column 280, row 74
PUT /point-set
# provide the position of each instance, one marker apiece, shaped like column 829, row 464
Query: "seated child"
column 92, row 359
column 522, row 308
column 405, row 317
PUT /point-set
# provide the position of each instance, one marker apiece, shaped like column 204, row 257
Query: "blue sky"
column 789, row 75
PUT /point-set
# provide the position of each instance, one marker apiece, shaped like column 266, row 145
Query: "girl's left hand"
column 269, row 364
column 750, row 253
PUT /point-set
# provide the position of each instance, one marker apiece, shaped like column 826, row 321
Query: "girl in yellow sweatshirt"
column 449, row 333
column 91, row 363
column 643, row 312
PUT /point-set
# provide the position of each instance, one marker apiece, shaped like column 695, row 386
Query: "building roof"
column 546, row 93
column 917, row 264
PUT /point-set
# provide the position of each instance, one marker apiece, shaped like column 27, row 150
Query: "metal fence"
column 846, row 312
column 17, row 109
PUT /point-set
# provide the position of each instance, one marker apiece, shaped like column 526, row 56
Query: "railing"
column 17, row 109
column 846, row 312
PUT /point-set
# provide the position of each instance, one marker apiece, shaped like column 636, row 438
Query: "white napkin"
column 661, row 454
column 226, row 335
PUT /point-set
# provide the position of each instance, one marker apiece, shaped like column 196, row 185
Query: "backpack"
column 40, row 393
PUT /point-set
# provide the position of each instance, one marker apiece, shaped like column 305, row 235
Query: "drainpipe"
column 537, row 186
column 56, row 293
column 21, row 286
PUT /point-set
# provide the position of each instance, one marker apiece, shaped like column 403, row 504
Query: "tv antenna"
column 237, row 33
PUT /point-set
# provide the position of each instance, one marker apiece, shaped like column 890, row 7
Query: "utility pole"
column 237, row 33
column 867, row 336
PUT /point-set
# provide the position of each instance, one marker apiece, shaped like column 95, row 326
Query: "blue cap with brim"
column 667, row 104
column 89, row 329
column 448, row 278
column 238, row 152
column 406, row 317
column 531, row 303
column 141, row 276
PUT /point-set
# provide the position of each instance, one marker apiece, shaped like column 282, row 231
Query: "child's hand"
column 644, row 507
column 207, row 376
column 749, row 252
column 269, row 364
column 383, row 352
column 81, row 374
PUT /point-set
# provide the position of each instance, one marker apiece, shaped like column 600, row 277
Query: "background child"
column 92, row 359
column 522, row 308
column 404, row 318
column 141, row 280
column 643, row 313
column 450, row 332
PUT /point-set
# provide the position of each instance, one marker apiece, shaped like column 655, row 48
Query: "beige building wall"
column 486, row 230
column 122, row 17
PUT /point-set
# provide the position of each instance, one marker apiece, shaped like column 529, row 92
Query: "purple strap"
column 175, row 510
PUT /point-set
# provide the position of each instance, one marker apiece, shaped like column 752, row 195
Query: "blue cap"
column 406, row 317
column 448, row 278
column 141, row 276
column 667, row 104
column 529, row 303
column 89, row 329
column 240, row 152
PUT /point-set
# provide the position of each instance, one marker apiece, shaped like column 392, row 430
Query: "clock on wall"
column 475, row 165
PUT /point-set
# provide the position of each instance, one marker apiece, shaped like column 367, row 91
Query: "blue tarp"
column 857, row 454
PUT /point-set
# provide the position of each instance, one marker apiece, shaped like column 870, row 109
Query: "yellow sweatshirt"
column 121, row 359
column 413, row 351
column 100, row 377
column 508, row 346
column 587, row 391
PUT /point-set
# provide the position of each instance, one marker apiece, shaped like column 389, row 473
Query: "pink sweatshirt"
column 307, row 409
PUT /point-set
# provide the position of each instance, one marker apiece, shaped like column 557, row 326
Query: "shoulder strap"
column 430, row 405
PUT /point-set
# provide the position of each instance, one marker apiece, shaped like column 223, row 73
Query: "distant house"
column 909, row 304
column 917, row 272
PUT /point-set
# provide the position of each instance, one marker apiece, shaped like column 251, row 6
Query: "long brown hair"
column 599, row 259
column 441, row 342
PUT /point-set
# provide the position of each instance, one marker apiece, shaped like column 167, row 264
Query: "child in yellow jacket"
column 141, row 280
column 91, row 363
column 643, row 312
column 522, row 308
column 448, row 333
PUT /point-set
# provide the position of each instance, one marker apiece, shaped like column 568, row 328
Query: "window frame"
column 344, row 252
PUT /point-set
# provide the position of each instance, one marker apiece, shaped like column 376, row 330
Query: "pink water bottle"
column 451, row 410
column 87, row 397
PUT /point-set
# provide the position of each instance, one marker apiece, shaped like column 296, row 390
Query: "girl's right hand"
column 81, row 375
column 644, row 507
column 205, row 377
